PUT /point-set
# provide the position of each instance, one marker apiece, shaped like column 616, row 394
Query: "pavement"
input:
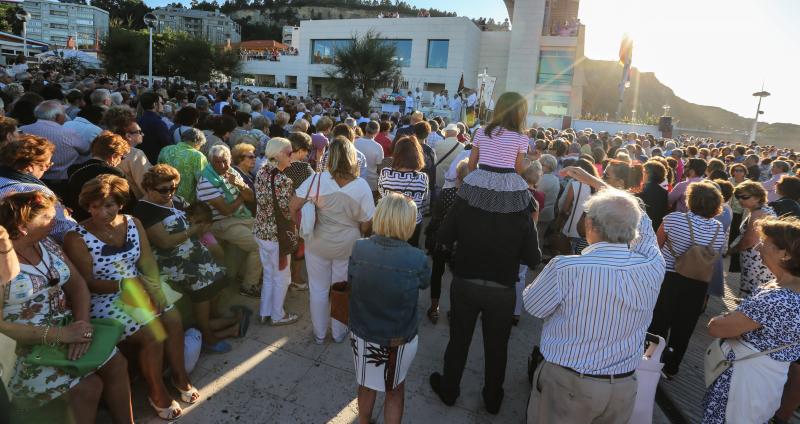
column 279, row 375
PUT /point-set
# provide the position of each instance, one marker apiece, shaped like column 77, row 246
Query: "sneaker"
column 254, row 292
column 335, row 340
column 298, row 287
column 319, row 341
column 286, row 320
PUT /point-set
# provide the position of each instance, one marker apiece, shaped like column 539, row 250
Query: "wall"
column 494, row 57
column 615, row 127
column 526, row 37
column 273, row 90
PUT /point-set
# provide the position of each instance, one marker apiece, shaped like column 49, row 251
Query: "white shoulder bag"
column 716, row 361
column 308, row 214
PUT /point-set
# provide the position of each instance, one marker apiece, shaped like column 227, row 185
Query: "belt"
column 486, row 283
column 599, row 376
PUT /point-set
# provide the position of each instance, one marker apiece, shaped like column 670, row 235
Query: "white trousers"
column 321, row 274
column 275, row 282
column 523, row 272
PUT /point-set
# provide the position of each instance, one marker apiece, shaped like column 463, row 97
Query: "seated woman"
column 386, row 274
column 23, row 161
column 112, row 252
column 46, row 291
column 769, row 320
column 184, row 262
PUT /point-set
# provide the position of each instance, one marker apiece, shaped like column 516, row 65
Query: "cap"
column 451, row 127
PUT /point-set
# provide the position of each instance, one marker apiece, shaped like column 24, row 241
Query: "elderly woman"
column 717, row 285
column 23, row 161
column 768, row 321
column 298, row 172
column 738, row 175
column 243, row 157
column 277, row 129
column 753, row 198
column 48, row 291
column 185, row 263
column 385, row 275
column 681, row 299
column 108, row 151
column 344, row 212
column 653, row 194
column 8, row 129
column 122, row 120
column 274, row 191
column 549, row 185
column 406, row 177
column 226, row 193
column 187, row 159
column 571, row 207
column 112, row 253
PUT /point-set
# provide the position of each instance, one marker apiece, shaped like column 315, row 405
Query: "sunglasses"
column 166, row 190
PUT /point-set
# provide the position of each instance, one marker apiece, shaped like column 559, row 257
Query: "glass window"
column 556, row 67
column 551, row 104
column 323, row 51
column 402, row 52
column 437, row 53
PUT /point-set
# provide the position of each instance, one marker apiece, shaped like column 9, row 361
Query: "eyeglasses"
column 249, row 156
column 166, row 190
column 743, row 197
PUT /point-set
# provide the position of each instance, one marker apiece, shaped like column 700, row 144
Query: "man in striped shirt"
column 596, row 308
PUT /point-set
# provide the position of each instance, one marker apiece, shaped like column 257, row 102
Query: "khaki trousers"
column 239, row 232
column 561, row 396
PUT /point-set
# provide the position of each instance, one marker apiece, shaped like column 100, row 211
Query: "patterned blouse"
column 189, row 162
column 265, row 227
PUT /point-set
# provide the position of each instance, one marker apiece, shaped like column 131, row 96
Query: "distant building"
column 215, row 27
column 291, row 35
column 54, row 22
column 11, row 45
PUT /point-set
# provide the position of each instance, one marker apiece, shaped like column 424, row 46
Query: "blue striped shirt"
column 597, row 306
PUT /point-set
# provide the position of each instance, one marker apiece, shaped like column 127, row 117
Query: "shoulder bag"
column 308, row 213
column 716, row 362
column 287, row 230
column 696, row 263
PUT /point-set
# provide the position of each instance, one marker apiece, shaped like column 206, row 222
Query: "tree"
column 362, row 66
column 227, row 62
column 9, row 21
column 124, row 51
column 129, row 12
column 190, row 58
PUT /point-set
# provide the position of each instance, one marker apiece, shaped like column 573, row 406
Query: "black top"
column 656, row 202
column 151, row 214
column 488, row 245
column 298, row 172
column 786, row 206
column 80, row 174
column 754, row 173
column 276, row 130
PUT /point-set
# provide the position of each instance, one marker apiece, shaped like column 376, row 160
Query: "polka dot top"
column 113, row 262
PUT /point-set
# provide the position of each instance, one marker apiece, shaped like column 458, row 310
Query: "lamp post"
column 761, row 94
column 24, row 16
column 150, row 20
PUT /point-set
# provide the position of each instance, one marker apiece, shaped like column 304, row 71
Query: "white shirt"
column 455, row 104
column 373, row 152
column 409, row 102
column 597, row 306
column 85, row 129
column 451, row 175
column 472, row 99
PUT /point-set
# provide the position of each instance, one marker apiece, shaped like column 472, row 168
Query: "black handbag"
column 288, row 239
column 533, row 362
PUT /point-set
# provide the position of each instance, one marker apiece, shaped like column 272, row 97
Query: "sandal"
column 433, row 315
column 170, row 413
column 244, row 323
column 219, row 347
column 188, row 396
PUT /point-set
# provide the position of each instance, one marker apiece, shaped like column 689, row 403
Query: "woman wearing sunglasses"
column 33, row 304
column 112, row 252
column 753, row 198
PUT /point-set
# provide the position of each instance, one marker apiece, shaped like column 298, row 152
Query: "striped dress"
column 412, row 184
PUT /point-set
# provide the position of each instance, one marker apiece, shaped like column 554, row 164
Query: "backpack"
column 697, row 262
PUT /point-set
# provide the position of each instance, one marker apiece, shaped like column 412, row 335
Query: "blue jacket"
column 385, row 277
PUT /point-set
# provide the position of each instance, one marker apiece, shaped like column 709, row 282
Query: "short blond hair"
column 240, row 150
column 532, row 173
column 395, row 217
column 274, row 146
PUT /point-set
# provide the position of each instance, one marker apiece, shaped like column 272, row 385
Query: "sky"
column 710, row 52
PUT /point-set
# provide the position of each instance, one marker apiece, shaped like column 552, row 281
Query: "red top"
column 385, row 142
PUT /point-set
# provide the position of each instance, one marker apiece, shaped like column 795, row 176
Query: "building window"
column 551, row 104
column 402, row 52
column 323, row 51
column 556, row 67
column 58, row 13
column 437, row 53
column 58, row 26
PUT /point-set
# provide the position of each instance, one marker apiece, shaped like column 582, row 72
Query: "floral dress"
column 265, row 226
column 29, row 300
column 189, row 267
column 754, row 272
column 778, row 311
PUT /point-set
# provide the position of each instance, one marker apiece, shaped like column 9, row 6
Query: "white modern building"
column 539, row 56
column 215, row 26
column 54, row 22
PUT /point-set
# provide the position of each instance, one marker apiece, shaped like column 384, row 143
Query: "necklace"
column 47, row 273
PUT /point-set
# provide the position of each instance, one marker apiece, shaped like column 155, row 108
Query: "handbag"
column 106, row 334
column 340, row 301
column 308, row 213
column 715, row 362
column 698, row 261
column 287, row 230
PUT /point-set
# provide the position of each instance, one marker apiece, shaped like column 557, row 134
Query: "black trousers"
column 414, row 240
column 437, row 271
column 735, row 223
column 496, row 307
column 679, row 305
column 5, row 406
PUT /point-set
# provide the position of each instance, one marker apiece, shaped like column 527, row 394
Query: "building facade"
column 215, row 27
column 54, row 22
column 531, row 57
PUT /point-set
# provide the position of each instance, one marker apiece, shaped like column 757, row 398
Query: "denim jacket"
column 385, row 277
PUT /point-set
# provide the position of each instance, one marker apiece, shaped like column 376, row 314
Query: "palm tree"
column 362, row 66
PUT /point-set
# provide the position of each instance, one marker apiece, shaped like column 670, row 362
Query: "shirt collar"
column 606, row 247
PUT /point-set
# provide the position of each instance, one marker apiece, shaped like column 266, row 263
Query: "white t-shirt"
column 373, row 152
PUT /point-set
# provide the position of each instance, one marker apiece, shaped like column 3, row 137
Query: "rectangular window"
column 556, row 67
column 323, row 51
column 402, row 52
column 551, row 104
column 58, row 13
column 58, row 26
column 437, row 53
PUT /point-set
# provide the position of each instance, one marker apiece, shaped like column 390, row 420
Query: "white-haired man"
column 596, row 308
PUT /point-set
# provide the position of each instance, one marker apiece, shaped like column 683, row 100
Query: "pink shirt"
column 502, row 149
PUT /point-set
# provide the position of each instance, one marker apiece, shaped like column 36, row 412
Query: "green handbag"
column 105, row 336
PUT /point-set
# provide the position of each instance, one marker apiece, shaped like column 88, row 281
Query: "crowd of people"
column 121, row 202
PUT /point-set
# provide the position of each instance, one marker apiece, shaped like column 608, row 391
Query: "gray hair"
column 193, row 137
column 615, row 214
column 99, row 96
column 219, row 151
column 300, row 125
column 372, row 127
column 49, row 110
column 260, row 122
column 116, row 98
column 15, row 90
column 549, row 161
column 201, row 102
column 256, row 104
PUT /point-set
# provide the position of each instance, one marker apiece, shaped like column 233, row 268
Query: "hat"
column 451, row 127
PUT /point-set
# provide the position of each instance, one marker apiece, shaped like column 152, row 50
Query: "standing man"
column 409, row 102
column 455, row 106
column 596, row 309
column 156, row 133
column 373, row 152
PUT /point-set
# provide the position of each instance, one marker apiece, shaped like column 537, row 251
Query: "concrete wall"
column 615, row 127
column 494, row 57
column 526, row 38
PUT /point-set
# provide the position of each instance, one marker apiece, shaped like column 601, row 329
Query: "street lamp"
column 24, row 16
column 761, row 94
column 150, row 20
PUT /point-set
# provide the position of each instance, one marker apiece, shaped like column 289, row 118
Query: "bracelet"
column 44, row 336
column 58, row 338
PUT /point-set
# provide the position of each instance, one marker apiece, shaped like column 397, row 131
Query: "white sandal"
column 170, row 413
column 189, row 396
